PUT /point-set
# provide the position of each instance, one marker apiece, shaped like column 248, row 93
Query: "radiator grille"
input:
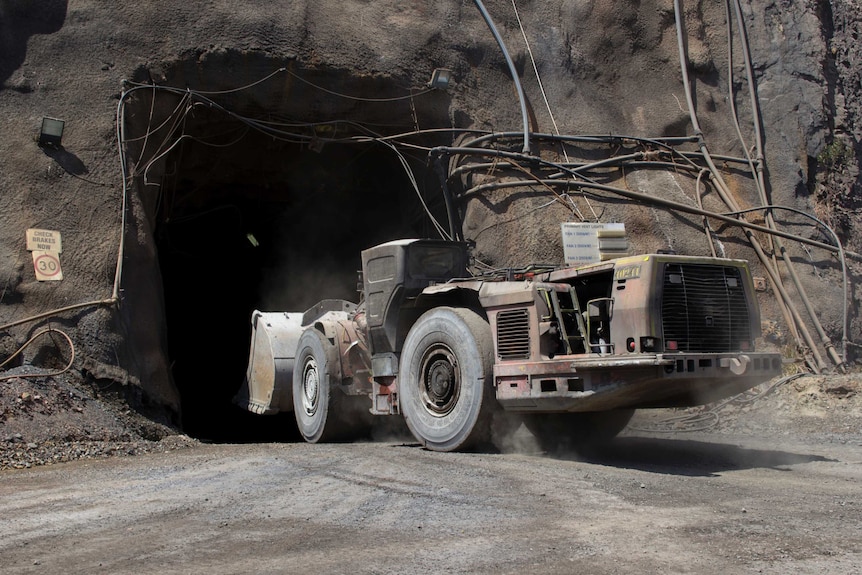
column 704, row 308
column 513, row 334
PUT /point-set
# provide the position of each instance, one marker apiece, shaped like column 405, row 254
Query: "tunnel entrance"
column 249, row 219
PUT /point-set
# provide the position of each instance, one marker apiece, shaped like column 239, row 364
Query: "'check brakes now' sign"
column 46, row 246
column 44, row 241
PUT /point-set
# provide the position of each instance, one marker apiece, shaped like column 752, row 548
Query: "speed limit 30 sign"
column 47, row 266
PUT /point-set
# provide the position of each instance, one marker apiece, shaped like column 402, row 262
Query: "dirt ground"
column 767, row 483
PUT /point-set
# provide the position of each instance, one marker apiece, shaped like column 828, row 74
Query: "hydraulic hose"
column 106, row 302
column 31, row 340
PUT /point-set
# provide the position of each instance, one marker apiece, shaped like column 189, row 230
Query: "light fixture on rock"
column 52, row 132
column 440, row 79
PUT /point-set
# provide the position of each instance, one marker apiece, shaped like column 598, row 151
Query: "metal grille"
column 703, row 308
column 513, row 334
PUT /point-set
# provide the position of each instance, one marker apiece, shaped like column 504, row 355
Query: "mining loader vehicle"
column 569, row 352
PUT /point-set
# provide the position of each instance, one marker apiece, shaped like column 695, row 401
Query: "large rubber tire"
column 318, row 404
column 445, row 380
column 578, row 432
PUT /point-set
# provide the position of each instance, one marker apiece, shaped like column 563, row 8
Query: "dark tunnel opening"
column 233, row 245
column 246, row 221
column 243, row 246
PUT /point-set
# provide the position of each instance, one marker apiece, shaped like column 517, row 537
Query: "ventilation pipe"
column 512, row 71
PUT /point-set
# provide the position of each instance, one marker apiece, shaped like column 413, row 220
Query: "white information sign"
column 581, row 240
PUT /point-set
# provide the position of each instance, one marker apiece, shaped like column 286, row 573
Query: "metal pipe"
column 724, row 191
column 756, row 171
column 760, row 178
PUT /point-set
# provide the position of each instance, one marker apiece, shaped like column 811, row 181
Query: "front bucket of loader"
column 269, row 376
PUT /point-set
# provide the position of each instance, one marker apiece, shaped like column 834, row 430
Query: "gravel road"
column 703, row 504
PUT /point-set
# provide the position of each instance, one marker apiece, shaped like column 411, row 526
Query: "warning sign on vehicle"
column 44, row 241
column 47, row 266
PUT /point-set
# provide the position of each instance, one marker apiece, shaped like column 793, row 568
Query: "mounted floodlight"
column 52, row 132
column 440, row 79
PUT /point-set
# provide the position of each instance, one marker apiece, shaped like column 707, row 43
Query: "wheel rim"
column 310, row 386
column 441, row 380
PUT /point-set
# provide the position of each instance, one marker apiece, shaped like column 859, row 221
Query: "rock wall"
column 605, row 68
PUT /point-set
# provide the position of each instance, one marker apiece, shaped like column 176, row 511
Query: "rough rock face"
column 200, row 179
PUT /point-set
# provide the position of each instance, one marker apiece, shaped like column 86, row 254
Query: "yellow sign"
column 44, row 241
column 627, row 273
column 47, row 266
